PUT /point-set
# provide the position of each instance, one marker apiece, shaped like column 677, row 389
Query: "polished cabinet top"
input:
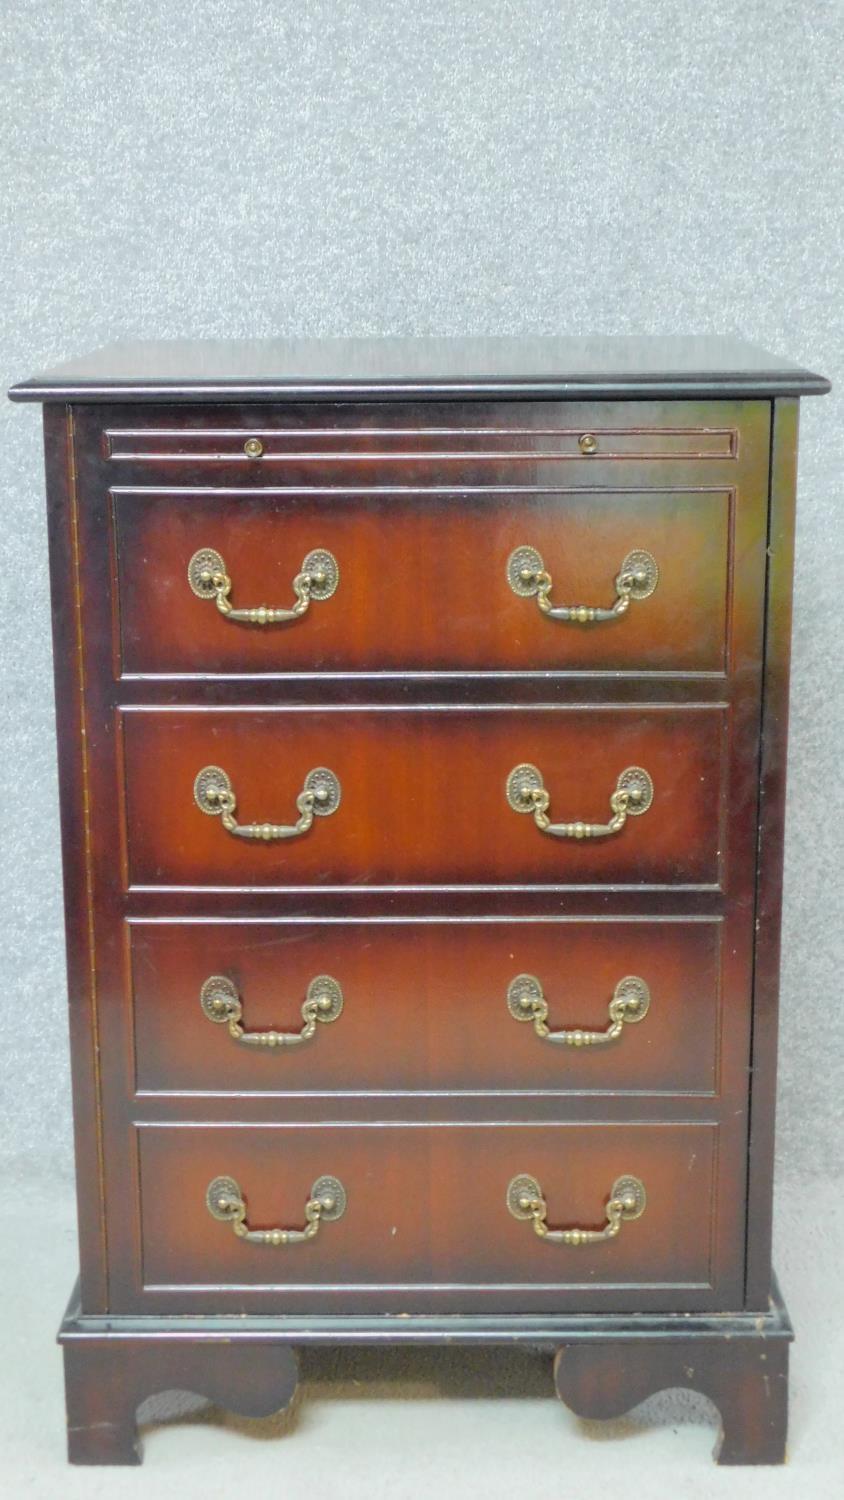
column 257, row 369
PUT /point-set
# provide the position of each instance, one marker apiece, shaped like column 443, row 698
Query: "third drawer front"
column 286, row 1006
column 424, row 797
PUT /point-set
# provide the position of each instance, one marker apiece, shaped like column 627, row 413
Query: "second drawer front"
column 424, row 1006
column 424, row 796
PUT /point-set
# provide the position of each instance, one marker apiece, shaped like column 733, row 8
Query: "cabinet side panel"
column 763, row 1076
column 76, row 863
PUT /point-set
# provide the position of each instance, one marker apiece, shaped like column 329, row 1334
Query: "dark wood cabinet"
column 422, row 720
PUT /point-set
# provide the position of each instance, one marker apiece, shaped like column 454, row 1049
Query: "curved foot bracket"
column 105, row 1384
column 746, row 1377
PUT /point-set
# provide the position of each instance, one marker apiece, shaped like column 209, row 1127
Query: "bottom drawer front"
column 426, row 1207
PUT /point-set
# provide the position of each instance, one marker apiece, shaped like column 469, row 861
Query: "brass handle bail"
column 319, row 798
column 526, row 793
column 317, row 579
column 525, row 1200
column 222, row 1004
column 630, row 1003
column 327, row 1203
column 637, row 578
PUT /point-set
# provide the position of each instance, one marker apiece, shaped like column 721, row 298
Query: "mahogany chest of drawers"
column 422, row 715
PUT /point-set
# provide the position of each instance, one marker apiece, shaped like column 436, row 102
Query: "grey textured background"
column 377, row 167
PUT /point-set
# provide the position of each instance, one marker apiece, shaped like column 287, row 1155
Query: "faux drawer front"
column 423, row 581
column 425, row 1006
column 426, row 1207
column 423, row 796
column 436, row 439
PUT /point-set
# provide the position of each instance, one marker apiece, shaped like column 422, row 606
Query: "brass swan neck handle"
column 627, row 1201
column 317, row 579
column 637, row 578
column 222, row 1004
column 526, row 793
column 326, row 1203
column 630, row 1002
column 319, row 798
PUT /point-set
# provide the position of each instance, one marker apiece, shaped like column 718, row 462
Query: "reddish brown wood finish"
column 747, row 1379
column 500, row 433
column 698, row 742
column 438, row 1023
column 422, row 541
column 106, row 1380
column 774, row 747
column 423, row 580
column 424, row 796
column 427, row 1226
column 72, row 718
column 421, row 683
column 605, row 1364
